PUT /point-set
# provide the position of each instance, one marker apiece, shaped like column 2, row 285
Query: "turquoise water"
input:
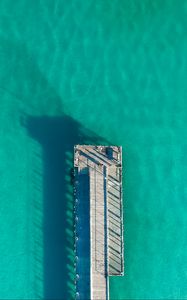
column 92, row 71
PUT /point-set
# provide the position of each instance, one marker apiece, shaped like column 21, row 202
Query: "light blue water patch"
column 69, row 70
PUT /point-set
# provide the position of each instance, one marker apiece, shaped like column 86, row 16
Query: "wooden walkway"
column 99, row 284
column 103, row 166
column 115, row 224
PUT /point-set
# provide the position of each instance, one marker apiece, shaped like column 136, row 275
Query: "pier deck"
column 102, row 167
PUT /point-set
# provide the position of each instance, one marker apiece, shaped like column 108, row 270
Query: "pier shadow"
column 57, row 137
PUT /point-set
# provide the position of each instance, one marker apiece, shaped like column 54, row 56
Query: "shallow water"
column 98, row 72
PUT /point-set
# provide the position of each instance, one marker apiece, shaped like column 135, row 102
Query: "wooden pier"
column 99, row 219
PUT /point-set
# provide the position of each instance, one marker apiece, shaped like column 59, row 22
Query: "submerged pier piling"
column 99, row 219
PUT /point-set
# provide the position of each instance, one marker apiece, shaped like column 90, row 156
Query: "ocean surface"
column 85, row 71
